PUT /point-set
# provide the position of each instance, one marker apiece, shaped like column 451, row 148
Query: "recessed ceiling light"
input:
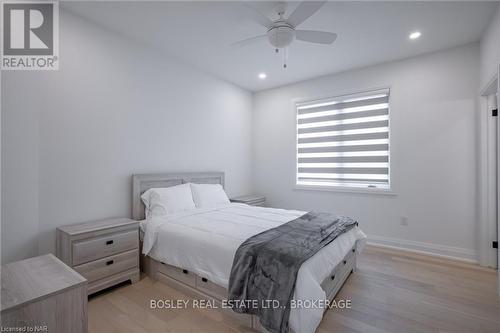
column 262, row 76
column 415, row 35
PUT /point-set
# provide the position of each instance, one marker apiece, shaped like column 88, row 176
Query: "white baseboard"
column 442, row 251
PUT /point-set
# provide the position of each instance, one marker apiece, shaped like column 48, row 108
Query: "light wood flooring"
column 391, row 291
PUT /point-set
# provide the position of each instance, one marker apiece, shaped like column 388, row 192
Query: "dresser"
column 42, row 294
column 252, row 199
column 105, row 252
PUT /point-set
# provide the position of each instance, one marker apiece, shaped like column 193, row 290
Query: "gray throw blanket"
column 265, row 266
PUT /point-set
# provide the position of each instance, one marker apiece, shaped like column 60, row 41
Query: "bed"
column 193, row 250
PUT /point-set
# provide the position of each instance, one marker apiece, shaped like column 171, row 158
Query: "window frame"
column 390, row 190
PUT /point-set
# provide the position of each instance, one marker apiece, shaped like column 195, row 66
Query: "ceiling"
column 199, row 33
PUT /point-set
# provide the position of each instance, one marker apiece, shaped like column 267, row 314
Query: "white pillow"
column 208, row 195
column 168, row 200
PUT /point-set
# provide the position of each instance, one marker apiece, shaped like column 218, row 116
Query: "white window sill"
column 376, row 191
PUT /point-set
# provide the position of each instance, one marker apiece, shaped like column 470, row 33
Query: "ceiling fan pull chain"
column 285, row 56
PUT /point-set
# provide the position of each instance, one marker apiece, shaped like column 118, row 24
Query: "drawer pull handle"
column 345, row 262
column 109, row 242
column 185, row 271
column 204, row 279
column 110, row 262
column 333, row 277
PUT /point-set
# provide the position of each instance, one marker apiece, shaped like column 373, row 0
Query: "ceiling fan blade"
column 312, row 36
column 303, row 11
column 248, row 41
column 258, row 17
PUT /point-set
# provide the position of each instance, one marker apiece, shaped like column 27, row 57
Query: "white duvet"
column 204, row 241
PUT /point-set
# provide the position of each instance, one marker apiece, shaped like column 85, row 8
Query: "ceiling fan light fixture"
column 281, row 36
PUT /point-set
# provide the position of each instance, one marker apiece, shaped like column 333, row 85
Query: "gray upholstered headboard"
column 143, row 182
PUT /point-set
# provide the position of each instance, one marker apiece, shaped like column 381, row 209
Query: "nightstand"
column 42, row 294
column 253, row 200
column 105, row 252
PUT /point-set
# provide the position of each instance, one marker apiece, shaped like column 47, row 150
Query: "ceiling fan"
column 283, row 31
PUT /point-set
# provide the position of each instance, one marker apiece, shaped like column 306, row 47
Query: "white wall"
column 71, row 139
column 433, row 151
column 490, row 50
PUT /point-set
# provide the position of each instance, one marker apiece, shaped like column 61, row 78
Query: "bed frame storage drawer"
column 88, row 250
column 334, row 281
column 179, row 274
column 210, row 288
column 101, row 268
column 244, row 319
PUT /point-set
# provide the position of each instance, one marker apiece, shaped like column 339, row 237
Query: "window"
column 344, row 141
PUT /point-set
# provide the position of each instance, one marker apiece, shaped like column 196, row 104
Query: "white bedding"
column 204, row 241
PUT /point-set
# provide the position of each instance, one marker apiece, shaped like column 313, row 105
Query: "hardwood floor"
column 391, row 291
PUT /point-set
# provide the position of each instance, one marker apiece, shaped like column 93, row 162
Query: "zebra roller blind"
column 344, row 141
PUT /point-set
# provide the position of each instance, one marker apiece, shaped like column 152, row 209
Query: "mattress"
column 204, row 241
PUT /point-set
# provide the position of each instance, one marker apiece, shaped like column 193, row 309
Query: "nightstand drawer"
column 252, row 200
column 97, row 248
column 101, row 268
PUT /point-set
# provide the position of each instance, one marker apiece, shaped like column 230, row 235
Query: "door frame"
column 488, row 196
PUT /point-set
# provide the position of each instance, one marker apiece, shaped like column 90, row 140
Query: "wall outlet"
column 404, row 221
